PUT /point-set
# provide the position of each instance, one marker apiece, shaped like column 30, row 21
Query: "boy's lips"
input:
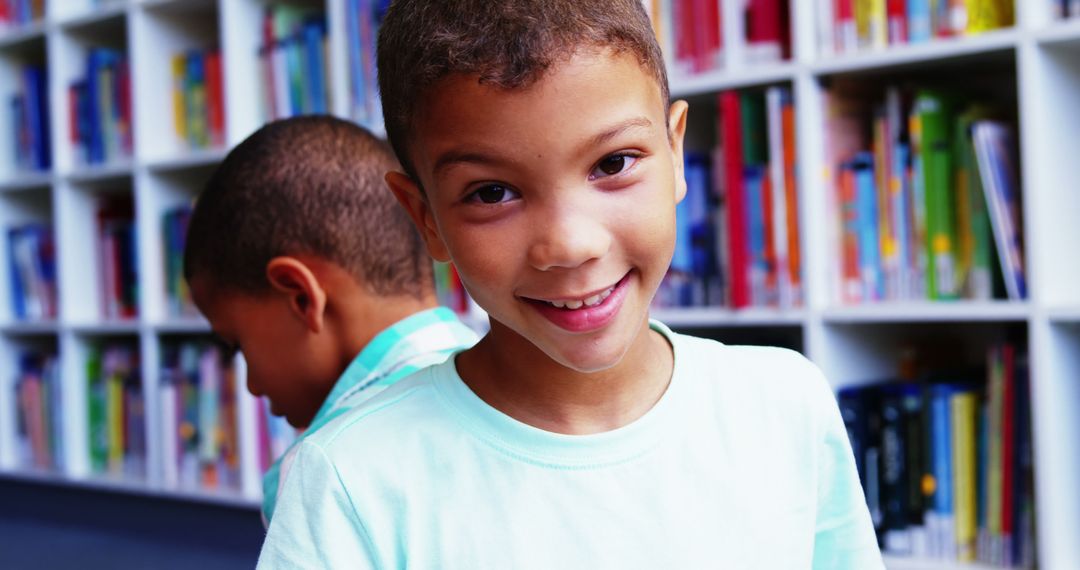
column 587, row 312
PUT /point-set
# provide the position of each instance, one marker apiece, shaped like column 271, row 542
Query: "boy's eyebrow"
column 455, row 157
column 606, row 136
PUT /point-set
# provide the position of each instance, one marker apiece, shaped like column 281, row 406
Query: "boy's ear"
column 677, row 132
column 412, row 198
column 306, row 296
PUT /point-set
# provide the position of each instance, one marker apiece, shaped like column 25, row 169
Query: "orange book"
column 790, row 181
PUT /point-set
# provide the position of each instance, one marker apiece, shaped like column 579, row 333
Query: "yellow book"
column 986, row 15
column 179, row 74
column 863, row 10
column 114, row 415
column 879, row 24
column 964, row 417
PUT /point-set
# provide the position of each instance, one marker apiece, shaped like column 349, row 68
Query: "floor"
column 45, row 527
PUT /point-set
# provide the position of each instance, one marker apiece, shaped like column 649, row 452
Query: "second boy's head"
column 296, row 249
column 542, row 157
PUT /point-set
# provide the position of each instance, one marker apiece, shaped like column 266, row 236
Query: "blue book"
column 18, row 292
column 867, row 224
column 44, row 137
column 920, row 21
column 753, row 180
column 942, row 526
column 298, row 104
column 314, row 31
column 902, row 216
column 356, row 65
column 697, row 197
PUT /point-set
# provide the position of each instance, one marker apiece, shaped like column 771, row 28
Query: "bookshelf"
column 1034, row 66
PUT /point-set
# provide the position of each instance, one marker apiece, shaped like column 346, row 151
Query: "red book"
column 682, row 20
column 852, row 284
column 735, row 198
column 763, row 29
column 215, row 98
column 699, row 22
column 844, row 16
column 74, row 93
column 897, row 13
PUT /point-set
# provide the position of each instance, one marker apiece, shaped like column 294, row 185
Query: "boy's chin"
column 588, row 361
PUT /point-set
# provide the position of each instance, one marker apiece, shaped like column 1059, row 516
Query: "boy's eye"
column 492, row 194
column 612, row 165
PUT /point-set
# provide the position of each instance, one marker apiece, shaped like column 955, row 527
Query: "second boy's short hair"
column 308, row 185
column 507, row 43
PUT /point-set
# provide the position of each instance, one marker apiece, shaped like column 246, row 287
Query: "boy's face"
column 280, row 365
column 556, row 202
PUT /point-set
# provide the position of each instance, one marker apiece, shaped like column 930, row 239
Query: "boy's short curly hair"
column 307, row 185
column 507, row 43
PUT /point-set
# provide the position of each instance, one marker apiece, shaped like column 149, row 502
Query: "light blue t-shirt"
column 742, row 463
column 415, row 342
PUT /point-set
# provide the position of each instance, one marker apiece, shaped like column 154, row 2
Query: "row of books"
column 1065, row 8
column 32, row 256
column 757, row 182
column 852, row 25
column 116, row 411
column 118, row 258
column 174, row 236
column 199, row 417
column 199, row 98
column 691, row 32
column 947, row 466
column 30, row 120
column 926, row 190
column 39, row 415
column 294, row 60
column 19, row 12
column 362, row 20
column 737, row 230
column 100, row 107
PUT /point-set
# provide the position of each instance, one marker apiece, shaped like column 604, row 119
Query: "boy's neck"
column 515, row 377
column 362, row 317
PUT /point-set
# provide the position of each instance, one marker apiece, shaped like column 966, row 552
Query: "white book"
column 774, row 104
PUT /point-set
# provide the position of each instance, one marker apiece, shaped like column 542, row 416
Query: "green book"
column 754, row 128
column 97, row 427
column 974, row 238
column 935, row 117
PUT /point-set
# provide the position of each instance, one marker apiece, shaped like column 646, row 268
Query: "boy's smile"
column 556, row 202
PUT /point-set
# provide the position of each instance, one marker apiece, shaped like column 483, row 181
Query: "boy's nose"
column 567, row 241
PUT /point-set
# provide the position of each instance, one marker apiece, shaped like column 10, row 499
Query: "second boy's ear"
column 676, row 133
column 412, row 198
column 306, row 296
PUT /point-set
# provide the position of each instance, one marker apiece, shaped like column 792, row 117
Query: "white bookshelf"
column 1038, row 62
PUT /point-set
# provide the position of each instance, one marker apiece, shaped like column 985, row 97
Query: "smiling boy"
column 541, row 155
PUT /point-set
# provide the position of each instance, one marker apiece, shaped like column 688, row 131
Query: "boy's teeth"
column 589, row 302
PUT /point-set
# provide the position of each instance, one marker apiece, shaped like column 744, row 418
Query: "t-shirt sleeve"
column 844, row 534
column 315, row 524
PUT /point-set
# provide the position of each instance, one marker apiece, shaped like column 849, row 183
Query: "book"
column 116, row 411
column 100, row 103
column 995, row 151
column 294, row 62
column 32, row 256
column 945, row 461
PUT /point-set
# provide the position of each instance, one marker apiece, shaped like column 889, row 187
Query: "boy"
column 541, row 155
column 300, row 259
